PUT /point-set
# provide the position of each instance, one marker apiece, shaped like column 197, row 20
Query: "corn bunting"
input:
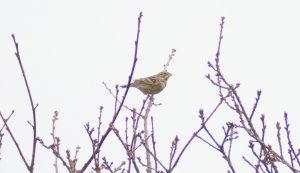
column 152, row 84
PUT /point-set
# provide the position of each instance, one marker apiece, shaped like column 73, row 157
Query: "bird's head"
column 165, row 74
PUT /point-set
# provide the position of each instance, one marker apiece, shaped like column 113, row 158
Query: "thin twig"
column 153, row 142
column 15, row 142
column 256, row 103
column 287, row 125
column 54, row 139
column 33, row 107
column 173, row 150
column 153, row 156
column 135, row 123
column 56, row 153
column 194, row 135
column 278, row 127
column 172, row 54
column 270, row 155
column 115, row 97
column 123, row 99
column 146, row 134
column 12, row 112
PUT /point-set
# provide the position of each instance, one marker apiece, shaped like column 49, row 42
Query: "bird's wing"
column 146, row 81
column 151, row 80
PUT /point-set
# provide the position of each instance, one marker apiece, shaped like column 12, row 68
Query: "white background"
column 69, row 47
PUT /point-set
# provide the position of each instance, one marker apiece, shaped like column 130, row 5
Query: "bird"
column 151, row 85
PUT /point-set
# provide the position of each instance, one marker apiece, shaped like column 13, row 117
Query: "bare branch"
column 15, row 142
column 33, row 107
column 123, row 99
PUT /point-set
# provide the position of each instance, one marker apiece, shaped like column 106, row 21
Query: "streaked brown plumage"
column 152, row 84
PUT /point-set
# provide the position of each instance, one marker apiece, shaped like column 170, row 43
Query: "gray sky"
column 69, row 47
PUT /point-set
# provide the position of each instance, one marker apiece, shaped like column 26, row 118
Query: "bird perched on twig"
column 152, row 84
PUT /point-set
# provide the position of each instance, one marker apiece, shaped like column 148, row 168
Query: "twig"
column 246, row 160
column 255, row 104
column 287, row 125
column 170, row 58
column 130, row 153
column 153, row 143
column 15, row 142
column 115, row 97
column 153, row 156
column 195, row 134
column 246, row 121
column 73, row 162
column 97, row 157
column 1, row 137
column 133, row 142
column 173, row 150
column 146, row 134
column 122, row 102
column 141, row 110
column 135, row 123
column 108, row 166
column 33, row 107
column 7, row 119
column 54, row 139
column 263, row 132
column 54, row 147
column 278, row 127
column 57, row 154
column 94, row 143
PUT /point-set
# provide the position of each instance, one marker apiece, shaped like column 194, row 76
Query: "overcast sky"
column 68, row 47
